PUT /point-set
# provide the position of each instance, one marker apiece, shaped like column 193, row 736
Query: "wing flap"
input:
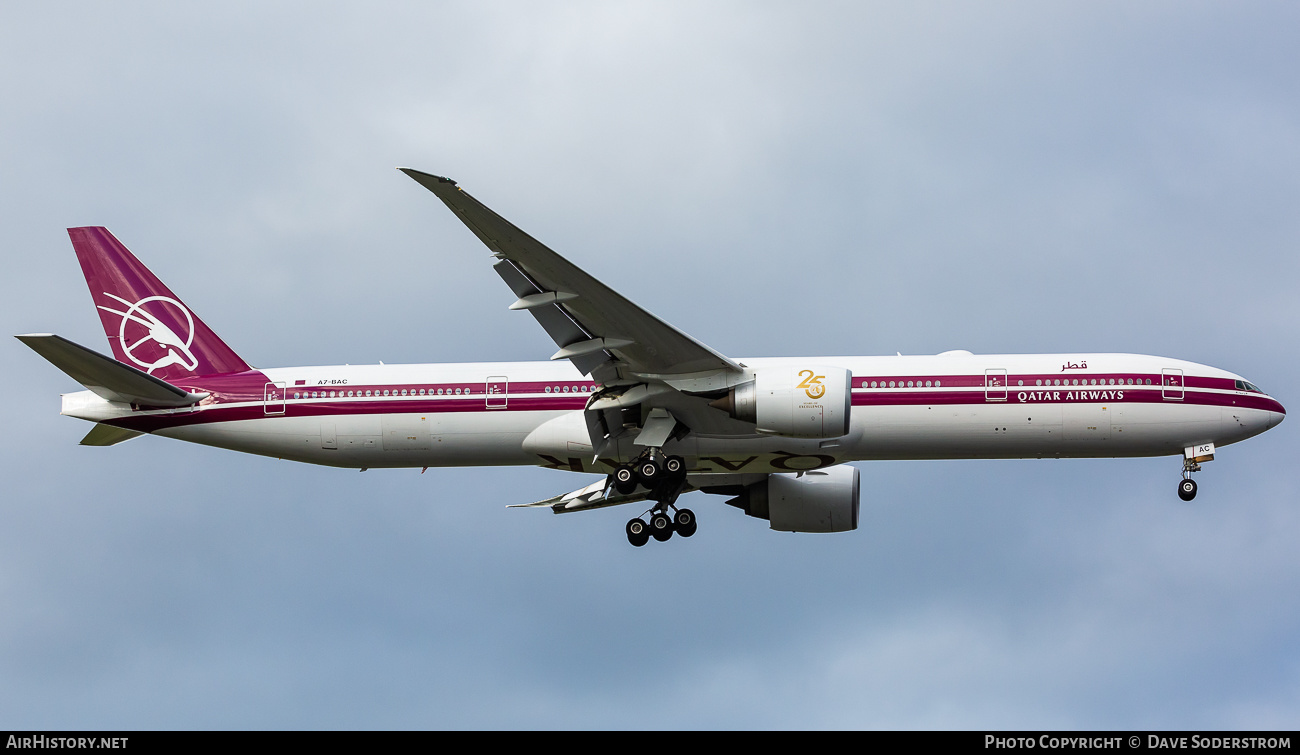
column 553, row 318
column 600, row 494
column 107, row 377
column 597, row 495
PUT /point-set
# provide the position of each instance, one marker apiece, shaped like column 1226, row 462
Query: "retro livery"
column 631, row 398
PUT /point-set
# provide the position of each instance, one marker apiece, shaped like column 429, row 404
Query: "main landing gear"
column 664, row 477
column 1187, row 486
column 660, row 527
column 653, row 471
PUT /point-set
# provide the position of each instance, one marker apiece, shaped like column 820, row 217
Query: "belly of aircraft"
column 372, row 440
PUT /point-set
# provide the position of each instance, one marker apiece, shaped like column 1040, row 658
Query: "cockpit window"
column 1242, row 385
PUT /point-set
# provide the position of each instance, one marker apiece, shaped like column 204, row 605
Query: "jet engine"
column 800, row 401
column 823, row 500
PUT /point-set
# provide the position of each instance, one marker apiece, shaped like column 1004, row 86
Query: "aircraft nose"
column 1276, row 413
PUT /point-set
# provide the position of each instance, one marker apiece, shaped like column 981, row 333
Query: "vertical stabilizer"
column 146, row 324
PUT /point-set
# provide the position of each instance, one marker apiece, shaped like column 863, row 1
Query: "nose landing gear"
column 1187, row 486
column 1192, row 458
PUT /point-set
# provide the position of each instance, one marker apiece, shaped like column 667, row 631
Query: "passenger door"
column 273, row 399
column 995, row 384
column 1171, row 384
column 498, row 388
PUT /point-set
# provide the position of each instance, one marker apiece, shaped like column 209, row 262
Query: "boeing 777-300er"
column 655, row 412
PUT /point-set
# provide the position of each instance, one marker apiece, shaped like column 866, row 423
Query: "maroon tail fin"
column 146, row 324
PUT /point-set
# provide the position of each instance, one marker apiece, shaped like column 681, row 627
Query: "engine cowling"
column 823, row 500
column 799, row 401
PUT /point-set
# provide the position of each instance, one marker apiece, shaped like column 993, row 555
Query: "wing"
column 601, row 332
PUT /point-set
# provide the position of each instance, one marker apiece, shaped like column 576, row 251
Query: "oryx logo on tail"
column 147, row 325
column 147, row 340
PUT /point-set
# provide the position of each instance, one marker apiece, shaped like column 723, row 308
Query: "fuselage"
column 947, row 406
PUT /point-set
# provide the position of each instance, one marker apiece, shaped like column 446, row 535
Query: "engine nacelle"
column 823, row 500
column 799, row 401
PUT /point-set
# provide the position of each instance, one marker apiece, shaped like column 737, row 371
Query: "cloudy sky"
column 774, row 179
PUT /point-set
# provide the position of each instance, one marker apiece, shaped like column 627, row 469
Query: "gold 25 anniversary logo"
column 812, row 384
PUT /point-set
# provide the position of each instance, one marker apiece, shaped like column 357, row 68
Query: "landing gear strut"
column 1187, row 486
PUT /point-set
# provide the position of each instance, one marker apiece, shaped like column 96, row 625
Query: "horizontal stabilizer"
column 107, row 377
column 107, row 435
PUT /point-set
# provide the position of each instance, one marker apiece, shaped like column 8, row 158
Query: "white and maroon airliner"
column 628, row 396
